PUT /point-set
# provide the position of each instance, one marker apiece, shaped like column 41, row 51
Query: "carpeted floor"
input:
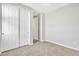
column 41, row 49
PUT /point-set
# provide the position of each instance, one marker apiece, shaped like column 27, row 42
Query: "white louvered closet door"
column 9, row 27
column 24, row 27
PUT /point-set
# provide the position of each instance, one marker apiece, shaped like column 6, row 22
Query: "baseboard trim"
column 64, row 45
column 41, row 40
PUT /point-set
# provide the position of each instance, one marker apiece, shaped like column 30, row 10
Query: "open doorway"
column 35, row 28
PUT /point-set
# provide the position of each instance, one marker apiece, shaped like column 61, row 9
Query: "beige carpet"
column 41, row 49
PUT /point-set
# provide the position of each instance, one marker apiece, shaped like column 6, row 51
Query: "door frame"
column 41, row 28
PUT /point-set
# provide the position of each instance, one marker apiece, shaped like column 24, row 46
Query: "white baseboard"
column 64, row 45
column 41, row 40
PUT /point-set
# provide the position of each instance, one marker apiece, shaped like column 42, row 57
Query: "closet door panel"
column 23, row 26
column 0, row 24
column 9, row 27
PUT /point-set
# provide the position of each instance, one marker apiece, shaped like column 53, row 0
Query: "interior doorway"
column 35, row 28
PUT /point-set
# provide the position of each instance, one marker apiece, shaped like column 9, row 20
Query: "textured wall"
column 62, row 26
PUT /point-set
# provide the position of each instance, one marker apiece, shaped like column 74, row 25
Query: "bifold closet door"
column 24, row 26
column 9, row 27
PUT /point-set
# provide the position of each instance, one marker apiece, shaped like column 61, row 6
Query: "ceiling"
column 45, row 7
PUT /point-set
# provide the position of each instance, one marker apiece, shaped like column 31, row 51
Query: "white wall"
column 42, row 27
column 30, row 18
column 62, row 26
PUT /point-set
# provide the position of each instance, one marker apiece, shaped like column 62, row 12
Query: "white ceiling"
column 45, row 7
